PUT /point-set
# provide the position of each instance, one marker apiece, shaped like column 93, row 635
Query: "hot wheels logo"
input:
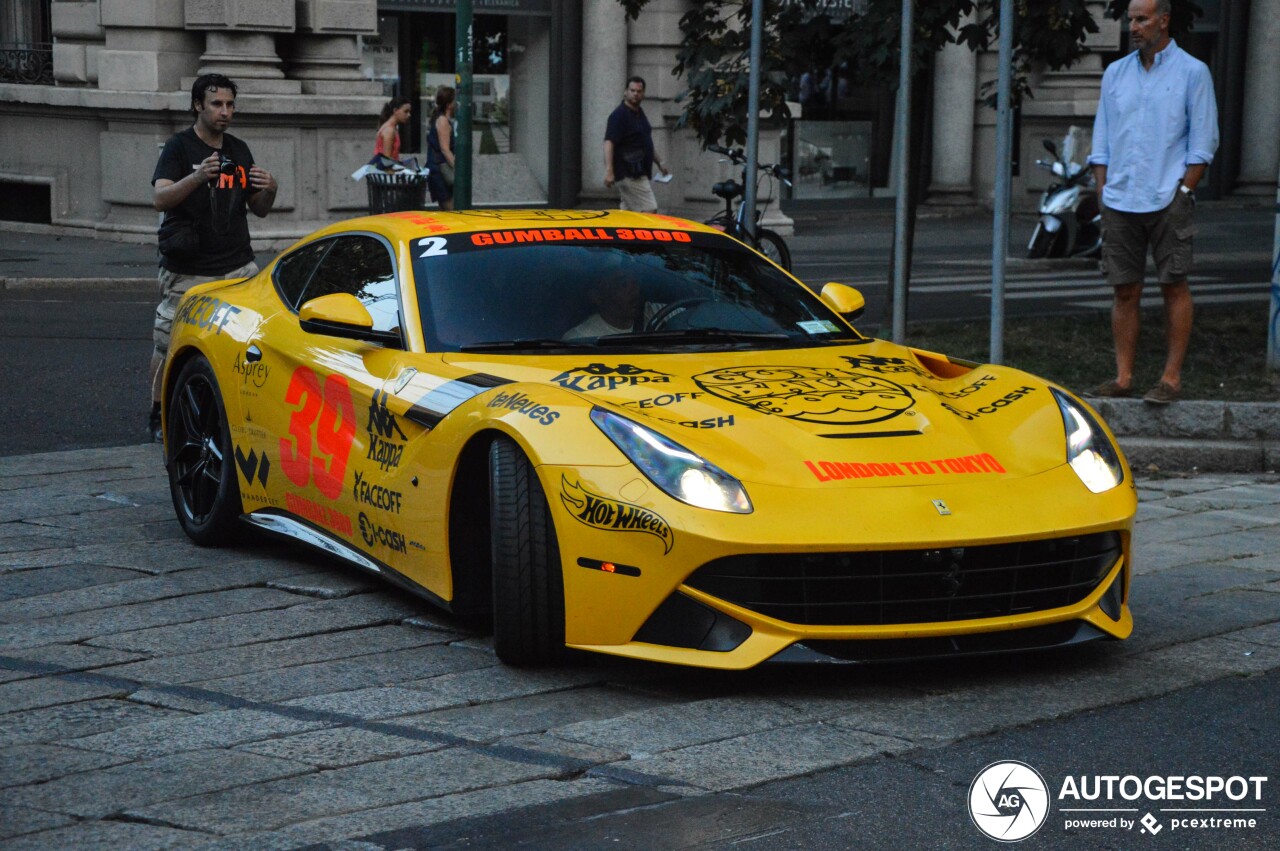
column 613, row 515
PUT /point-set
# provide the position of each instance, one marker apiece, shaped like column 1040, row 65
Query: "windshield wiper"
column 692, row 335
column 520, row 345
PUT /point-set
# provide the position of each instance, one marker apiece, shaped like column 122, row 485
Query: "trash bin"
column 395, row 192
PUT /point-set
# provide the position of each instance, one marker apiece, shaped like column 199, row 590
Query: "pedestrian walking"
column 205, row 181
column 629, row 157
column 440, row 156
column 1155, row 134
column 395, row 112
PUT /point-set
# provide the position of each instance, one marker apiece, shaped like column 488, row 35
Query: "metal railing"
column 26, row 63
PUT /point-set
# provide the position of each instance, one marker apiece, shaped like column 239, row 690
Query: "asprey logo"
column 1008, row 801
column 613, row 515
column 812, row 394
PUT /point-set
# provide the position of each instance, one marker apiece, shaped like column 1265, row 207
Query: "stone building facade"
column 77, row 148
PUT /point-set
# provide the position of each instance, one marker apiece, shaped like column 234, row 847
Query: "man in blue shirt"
column 628, row 152
column 1154, row 136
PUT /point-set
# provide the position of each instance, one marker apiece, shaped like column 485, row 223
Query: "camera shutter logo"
column 1008, row 801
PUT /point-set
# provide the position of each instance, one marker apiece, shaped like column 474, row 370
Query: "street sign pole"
column 1004, row 180
column 753, row 115
column 1273, row 328
column 902, row 142
column 462, row 138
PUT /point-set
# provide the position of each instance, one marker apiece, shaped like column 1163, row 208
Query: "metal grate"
column 913, row 586
column 26, row 63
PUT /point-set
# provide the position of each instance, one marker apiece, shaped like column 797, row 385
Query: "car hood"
column 868, row 415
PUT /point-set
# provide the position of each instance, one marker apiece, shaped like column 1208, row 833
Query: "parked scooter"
column 1070, row 219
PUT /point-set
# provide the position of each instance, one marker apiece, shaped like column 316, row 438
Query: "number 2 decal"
column 433, row 246
column 333, row 415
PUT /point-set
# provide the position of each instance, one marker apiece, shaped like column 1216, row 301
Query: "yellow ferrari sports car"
column 631, row 434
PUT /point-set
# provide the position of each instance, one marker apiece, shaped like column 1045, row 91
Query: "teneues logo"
column 1008, row 801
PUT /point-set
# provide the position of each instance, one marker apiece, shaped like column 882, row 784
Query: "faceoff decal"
column 834, row 471
column 811, row 394
column 204, row 311
column 613, row 515
column 367, row 493
column 601, row 376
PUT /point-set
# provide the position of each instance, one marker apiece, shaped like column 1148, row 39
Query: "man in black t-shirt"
column 629, row 157
column 204, row 182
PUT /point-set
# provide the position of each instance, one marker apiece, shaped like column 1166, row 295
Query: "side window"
column 293, row 272
column 360, row 265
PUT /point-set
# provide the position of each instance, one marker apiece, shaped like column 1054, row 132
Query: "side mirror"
column 1050, row 147
column 844, row 300
column 342, row 315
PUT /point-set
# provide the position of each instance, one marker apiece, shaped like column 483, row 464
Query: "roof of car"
column 419, row 223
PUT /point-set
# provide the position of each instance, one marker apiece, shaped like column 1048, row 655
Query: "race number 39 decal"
column 323, row 425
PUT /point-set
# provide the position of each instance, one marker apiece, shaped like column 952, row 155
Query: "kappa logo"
column 613, row 515
column 812, row 394
column 251, row 465
column 381, row 421
column 602, row 376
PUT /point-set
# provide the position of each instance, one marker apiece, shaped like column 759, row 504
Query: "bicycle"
column 767, row 242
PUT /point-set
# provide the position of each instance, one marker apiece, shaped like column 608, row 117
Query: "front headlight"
column 1089, row 450
column 680, row 473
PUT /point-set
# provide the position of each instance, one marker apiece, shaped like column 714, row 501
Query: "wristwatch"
column 1188, row 191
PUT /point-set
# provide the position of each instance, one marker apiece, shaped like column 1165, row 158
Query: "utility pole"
column 902, row 206
column 1004, row 180
column 462, row 75
column 753, row 115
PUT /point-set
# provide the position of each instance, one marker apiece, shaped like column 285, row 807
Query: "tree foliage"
column 714, row 53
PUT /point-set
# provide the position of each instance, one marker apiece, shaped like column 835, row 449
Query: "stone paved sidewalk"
column 154, row 694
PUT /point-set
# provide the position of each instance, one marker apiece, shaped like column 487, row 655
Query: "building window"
column 26, row 42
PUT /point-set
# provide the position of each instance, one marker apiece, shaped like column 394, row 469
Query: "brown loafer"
column 1162, row 394
column 1110, row 390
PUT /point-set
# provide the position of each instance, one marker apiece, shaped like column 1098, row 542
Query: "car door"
column 330, row 433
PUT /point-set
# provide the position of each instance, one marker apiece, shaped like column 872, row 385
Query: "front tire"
column 202, row 473
column 528, row 586
column 1042, row 243
column 773, row 247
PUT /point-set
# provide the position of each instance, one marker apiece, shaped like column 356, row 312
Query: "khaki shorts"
column 172, row 288
column 637, row 195
column 1168, row 232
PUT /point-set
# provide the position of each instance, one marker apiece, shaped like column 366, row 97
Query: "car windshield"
column 622, row 289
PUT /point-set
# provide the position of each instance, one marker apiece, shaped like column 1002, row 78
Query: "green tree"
column 713, row 55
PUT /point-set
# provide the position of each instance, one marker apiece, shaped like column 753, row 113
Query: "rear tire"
column 773, row 247
column 202, row 473
column 528, row 586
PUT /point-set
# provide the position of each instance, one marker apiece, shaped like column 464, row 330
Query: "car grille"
column 913, row 586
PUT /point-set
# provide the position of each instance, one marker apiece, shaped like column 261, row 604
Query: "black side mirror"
column 1051, row 148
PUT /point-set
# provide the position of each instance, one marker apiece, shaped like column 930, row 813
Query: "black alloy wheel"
column 202, row 473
